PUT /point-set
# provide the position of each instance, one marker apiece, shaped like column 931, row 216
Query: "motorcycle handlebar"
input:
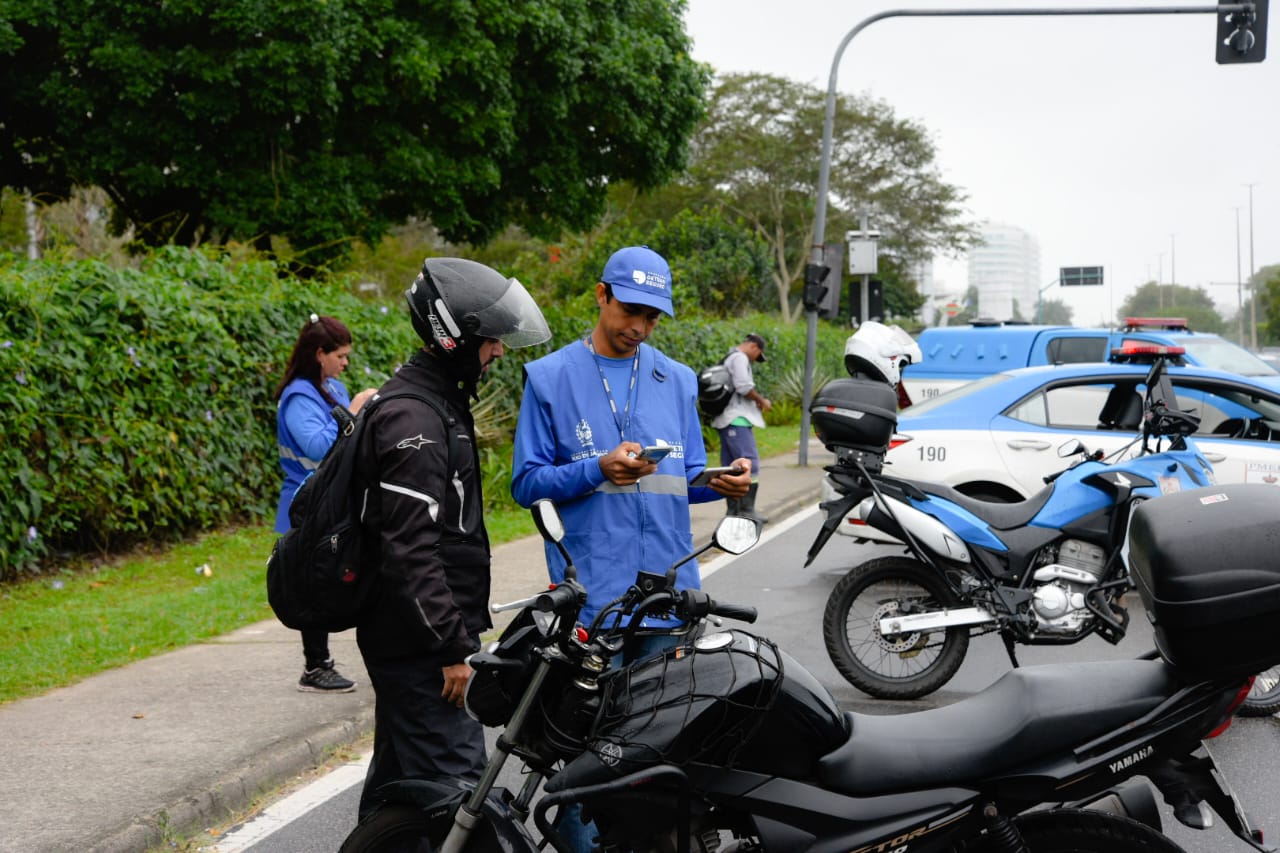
column 696, row 604
column 741, row 612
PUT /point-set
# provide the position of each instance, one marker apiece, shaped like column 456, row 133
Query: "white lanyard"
column 625, row 420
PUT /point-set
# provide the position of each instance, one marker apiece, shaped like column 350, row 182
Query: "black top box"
column 1207, row 565
column 855, row 413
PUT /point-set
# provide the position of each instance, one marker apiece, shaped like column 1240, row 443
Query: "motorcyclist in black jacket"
column 431, row 604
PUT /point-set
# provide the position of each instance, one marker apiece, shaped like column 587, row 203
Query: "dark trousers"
column 739, row 442
column 416, row 732
column 315, row 647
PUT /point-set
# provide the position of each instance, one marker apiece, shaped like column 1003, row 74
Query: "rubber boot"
column 747, row 505
column 732, row 506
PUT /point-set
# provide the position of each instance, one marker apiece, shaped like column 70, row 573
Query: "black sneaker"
column 324, row 679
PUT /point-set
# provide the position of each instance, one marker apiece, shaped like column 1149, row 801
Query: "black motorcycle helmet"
column 456, row 305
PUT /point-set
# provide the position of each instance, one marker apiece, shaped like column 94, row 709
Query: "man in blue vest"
column 588, row 410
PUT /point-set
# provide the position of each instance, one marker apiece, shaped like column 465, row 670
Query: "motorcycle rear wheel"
column 1264, row 699
column 399, row 828
column 899, row 666
column 1081, row 831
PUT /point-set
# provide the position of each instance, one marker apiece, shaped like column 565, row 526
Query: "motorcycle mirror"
column 547, row 518
column 549, row 523
column 1070, row 448
column 735, row 534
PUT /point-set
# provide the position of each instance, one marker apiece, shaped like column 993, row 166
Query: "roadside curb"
column 236, row 790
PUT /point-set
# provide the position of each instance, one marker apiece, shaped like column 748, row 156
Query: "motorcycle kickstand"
column 1009, row 649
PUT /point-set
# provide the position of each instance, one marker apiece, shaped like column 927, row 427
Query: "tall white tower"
column 1005, row 268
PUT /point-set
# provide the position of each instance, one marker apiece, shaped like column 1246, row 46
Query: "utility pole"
column 1253, row 287
column 1239, row 285
column 1173, row 273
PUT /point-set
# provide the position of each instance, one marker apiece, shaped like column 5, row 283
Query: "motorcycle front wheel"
column 1264, row 699
column 891, row 666
column 1080, row 831
column 399, row 828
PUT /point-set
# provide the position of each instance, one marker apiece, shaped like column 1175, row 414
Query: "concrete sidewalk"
column 180, row 742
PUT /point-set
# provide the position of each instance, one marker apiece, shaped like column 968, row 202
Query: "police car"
column 998, row 437
column 955, row 355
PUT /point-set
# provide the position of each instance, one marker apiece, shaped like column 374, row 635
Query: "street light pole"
column 1173, row 274
column 828, row 133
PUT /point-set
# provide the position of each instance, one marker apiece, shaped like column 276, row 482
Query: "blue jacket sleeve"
column 536, row 470
column 312, row 427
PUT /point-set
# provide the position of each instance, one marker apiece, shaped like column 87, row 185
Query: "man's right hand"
column 622, row 465
column 455, row 682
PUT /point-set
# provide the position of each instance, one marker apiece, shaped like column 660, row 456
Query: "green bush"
column 139, row 406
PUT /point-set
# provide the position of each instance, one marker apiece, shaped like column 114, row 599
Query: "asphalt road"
column 790, row 600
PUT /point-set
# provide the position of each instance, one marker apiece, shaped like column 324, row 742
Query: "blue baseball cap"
column 639, row 275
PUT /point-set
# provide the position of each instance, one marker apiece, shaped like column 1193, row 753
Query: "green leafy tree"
column 320, row 122
column 756, row 156
column 1267, row 282
column 1191, row 303
column 1054, row 312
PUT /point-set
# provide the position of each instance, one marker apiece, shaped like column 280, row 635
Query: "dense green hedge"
column 138, row 402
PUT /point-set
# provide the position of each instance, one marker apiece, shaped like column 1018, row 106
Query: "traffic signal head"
column 1242, row 34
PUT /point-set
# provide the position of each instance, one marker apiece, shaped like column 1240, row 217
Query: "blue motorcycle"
column 1047, row 570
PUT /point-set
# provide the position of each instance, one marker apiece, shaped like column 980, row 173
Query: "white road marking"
column 279, row 815
column 771, row 531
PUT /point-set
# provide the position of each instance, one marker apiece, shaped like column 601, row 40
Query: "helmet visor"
column 514, row 319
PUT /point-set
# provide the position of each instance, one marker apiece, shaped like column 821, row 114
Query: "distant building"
column 1005, row 269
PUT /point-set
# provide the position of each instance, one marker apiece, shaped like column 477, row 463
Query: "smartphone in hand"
column 656, row 452
column 709, row 474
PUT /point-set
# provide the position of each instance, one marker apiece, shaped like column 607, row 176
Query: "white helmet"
column 880, row 352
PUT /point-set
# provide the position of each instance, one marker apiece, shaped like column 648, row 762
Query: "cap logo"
column 657, row 281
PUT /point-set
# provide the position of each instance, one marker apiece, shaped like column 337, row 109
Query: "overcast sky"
column 1116, row 141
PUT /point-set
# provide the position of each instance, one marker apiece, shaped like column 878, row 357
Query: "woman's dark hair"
column 323, row 333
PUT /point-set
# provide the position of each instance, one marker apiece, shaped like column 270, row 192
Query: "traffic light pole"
column 1236, row 42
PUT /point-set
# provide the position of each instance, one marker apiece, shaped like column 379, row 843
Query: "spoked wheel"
column 891, row 666
column 1080, row 831
column 1264, row 698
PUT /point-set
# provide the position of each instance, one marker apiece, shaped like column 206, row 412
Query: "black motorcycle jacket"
column 425, row 507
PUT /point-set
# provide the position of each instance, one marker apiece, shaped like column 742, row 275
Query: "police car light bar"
column 1146, row 353
column 1166, row 323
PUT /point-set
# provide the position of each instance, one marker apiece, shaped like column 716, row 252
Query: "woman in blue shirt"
column 305, row 429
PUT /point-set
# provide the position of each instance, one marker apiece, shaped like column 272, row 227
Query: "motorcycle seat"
column 1029, row 712
column 1001, row 516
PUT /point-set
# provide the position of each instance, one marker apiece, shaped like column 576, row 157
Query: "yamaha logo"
column 610, row 754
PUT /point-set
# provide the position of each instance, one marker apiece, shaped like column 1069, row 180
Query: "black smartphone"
column 709, row 474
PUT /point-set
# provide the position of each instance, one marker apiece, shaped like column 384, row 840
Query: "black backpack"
column 322, row 572
column 715, row 389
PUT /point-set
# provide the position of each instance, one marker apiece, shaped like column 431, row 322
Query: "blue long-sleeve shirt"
column 566, row 424
column 305, row 430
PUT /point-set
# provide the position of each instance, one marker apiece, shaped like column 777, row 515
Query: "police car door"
column 1031, row 435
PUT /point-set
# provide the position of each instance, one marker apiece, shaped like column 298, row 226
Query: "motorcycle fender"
column 444, row 796
column 926, row 530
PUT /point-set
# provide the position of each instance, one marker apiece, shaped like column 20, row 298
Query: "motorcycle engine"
column 1059, row 601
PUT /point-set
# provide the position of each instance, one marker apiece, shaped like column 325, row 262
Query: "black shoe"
column 325, row 679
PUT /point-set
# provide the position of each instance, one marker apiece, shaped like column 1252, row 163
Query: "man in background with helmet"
column 736, row 424
column 427, row 508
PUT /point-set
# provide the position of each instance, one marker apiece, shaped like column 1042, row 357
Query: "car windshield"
column 1223, row 355
column 959, row 392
